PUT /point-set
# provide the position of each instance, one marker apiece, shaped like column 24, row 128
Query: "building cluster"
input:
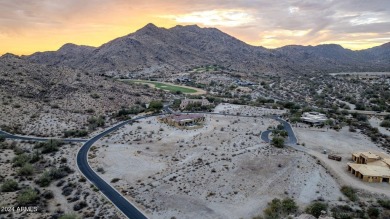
column 203, row 102
column 314, row 118
column 183, row 120
column 370, row 166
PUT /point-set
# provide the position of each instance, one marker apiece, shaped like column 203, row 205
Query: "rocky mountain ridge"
column 154, row 49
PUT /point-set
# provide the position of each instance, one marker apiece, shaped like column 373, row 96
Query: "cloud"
column 259, row 22
column 227, row 18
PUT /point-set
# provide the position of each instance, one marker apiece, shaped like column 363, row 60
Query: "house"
column 370, row 166
column 183, row 120
column 314, row 118
column 203, row 102
column 183, row 80
column 244, row 83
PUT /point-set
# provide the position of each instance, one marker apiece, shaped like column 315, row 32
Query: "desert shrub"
column 27, row 196
column 155, row 105
column 279, row 208
column 95, row 122
column 278, row 142
column 114, row 180
column 316, row 208
column 26, row 170
column 350, row 193
column 346, row 212
column 36, row 156
column 9, row 185
column 20, row 160
column 61, row 172
column 44, row 180
column 95, row 96
column 384, row 203
column 75, row 133
column 385, row 123
column 53, row 174
column 100, row 170
column 49, row 146
column 2, row 138
column 70, row 216
column 373, row 212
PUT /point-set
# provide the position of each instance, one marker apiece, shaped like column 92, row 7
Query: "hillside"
column 159, row 50
column 42, row 100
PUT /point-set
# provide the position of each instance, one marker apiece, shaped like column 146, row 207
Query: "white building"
column 313, row 118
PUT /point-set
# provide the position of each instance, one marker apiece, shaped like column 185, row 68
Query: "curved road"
column 111, row 193
column 291, row 140
column 32, row 138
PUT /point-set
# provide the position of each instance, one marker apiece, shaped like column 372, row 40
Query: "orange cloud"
column 28, row 26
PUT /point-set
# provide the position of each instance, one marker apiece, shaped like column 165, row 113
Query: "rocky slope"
column 38, row 99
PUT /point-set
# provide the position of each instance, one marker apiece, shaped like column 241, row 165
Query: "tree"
column 278, row 142
column 316, row 208
column 280, row 208
column 156, row 105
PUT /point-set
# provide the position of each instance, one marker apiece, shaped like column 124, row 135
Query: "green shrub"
column 385, row 123
column 373, row 212
column 316, row 208
column 44, row 180
column 384, row 203
column 27, row 196
column 26, row 170
column 278, row 142
column 70, row 216
column 95, row 122
column 75, row 133
column 280, row 208
column 2, row 138
column 349, row 192
column 9, row 185
column 20, row 160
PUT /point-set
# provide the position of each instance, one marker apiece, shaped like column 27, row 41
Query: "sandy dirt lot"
column 375, row 122
column 222, row 170
column 342, row 143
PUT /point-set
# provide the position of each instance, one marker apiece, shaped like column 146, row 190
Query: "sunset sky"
column 27, row 26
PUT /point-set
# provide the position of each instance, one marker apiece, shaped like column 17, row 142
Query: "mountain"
column 159, row 50
column 48, row 100
column 68, row 55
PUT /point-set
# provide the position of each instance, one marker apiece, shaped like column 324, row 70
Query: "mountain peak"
column 149, row 26
column 67, row 46
column 10, row 56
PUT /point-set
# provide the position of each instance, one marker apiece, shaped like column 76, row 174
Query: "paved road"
column 32, row 138
column 115, row 197
column 291, row 140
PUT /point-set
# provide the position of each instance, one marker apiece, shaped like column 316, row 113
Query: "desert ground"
column 342, row 143
column 67, row 192
column 222, row 170
column 375, row 122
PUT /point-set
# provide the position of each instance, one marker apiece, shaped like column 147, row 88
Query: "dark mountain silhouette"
column 154, row 49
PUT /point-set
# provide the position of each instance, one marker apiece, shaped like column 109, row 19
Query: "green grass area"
column 207, row 68
column 167, row 87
